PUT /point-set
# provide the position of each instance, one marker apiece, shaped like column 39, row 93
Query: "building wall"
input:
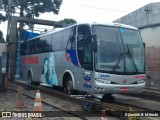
column 144, row 16
column 147, row 19
column 151, row 37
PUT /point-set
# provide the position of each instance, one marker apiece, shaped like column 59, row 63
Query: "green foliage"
column 68, row 21
column 1, row 37
column 27, row 7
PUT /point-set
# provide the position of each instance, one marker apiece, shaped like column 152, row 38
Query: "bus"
column 89, row 57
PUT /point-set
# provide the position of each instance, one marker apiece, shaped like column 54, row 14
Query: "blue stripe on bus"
column 72, row 54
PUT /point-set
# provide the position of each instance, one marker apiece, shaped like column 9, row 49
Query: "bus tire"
column 69, row 85
column 107, row 98
column 30, row 81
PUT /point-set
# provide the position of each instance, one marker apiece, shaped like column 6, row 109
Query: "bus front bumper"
column 118, row 89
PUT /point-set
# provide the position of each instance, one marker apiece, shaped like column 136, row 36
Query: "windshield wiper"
column 131, row 58
column 118, row 61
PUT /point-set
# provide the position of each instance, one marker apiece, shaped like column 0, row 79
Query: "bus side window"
column 48, row 43
column 66, row 35
column 23, row 48
column 84, row 43
column 57, row 41
column 70, row 36
column 32, row 47
column 28, row 50
column 43, row 43
column 38, row 45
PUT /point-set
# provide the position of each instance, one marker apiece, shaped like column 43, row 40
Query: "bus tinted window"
column 66, row 35
column 84, row 43
column 57, row 41
column 32, row 47
column 70, row 38
column 46, row 45
column 38, row 46
column 23, row 48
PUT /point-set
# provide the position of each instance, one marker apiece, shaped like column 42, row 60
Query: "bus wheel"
column 31, row 82
column 69, row 85
column 107, row 98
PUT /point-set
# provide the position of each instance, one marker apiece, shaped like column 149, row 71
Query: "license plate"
column 124, row 89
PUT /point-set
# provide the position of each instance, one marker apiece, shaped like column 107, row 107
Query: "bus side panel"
column 60, row 65
column 45, row 71
column 30, row 63
column 34, row 64
column 40, row 69
column 83, row 79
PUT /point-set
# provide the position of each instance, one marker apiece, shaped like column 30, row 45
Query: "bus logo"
column 124, row 81
column 87, row 78
column 104, row 76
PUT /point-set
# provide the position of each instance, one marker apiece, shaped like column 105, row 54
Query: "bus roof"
column 112, row 24
column 90, row 24
column 94, row 23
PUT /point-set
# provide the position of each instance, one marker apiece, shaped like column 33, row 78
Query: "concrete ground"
column 8, row 104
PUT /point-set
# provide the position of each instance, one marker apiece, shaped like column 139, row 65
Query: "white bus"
column 94, row 58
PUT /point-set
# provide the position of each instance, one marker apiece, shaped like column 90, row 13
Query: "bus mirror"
column 144, row 45
column 94, row 44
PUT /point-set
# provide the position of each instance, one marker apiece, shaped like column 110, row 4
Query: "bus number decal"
column 30, row 60
column 87, row 85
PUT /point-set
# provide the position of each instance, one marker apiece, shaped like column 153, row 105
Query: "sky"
column 92, row 10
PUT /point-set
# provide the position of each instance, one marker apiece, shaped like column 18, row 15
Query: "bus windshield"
column 119, row 50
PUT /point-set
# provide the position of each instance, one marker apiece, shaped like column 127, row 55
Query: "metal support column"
column 17, row 60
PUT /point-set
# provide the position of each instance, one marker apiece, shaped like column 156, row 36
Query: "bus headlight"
column 141, row 81
column 103, row 81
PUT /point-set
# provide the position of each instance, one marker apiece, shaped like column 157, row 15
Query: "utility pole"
column 33, row 9
column 9, row 41
column 8, row 37
column 9, row 19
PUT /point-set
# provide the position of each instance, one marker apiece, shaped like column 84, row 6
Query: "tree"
column 1, row 37
column 68, row 21
column 28, row 8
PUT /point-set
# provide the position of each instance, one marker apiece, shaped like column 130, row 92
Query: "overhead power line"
column 97, row 7
column 107, row 9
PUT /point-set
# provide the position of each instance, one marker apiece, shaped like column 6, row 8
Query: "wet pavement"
column 8, row 104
